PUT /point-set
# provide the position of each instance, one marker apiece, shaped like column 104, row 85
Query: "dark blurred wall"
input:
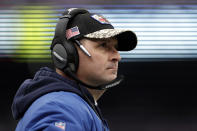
column 12, row 74
column 154, row 96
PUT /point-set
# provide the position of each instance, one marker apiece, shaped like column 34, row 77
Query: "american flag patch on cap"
column 72, row 32
column 61, row 125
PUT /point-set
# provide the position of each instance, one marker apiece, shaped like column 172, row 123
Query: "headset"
column 64, row 53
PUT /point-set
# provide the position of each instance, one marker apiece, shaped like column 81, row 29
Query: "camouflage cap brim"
column 127, row 40
column 105, row 33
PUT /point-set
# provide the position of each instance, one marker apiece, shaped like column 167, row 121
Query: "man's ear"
column 59, row 72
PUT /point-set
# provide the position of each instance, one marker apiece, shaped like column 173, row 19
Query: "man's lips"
column 113, row 66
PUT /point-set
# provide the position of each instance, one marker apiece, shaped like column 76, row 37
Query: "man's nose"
column 115, row 55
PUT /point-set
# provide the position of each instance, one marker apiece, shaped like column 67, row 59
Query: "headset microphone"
column 82, row 48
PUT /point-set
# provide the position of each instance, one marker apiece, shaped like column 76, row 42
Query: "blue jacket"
column 50, row 102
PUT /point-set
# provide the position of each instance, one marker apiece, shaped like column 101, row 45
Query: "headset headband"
column 60, row 31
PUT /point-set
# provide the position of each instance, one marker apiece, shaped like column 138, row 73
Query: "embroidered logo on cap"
column 100, row 19
column 61, row 125
column 72, row 32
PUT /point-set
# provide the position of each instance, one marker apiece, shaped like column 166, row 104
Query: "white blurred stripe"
column 167, row 43
column 150, row 15
column 25, row 33
column 152, row 20
column 153, row 11
column 27, row 24
column 159, row 47
column 28, row 16
column 27, row 38
column 183, row 34
column 161, row 51
column 13, row 42
column 27, row 29
column 173, row 25
column 158, row 56
column 161, row 29
column 168, row 38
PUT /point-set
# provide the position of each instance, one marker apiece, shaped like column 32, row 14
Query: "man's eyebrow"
column 98, row 40
column 104, row 40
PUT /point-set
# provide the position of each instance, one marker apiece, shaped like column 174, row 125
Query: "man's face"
column 102, row 66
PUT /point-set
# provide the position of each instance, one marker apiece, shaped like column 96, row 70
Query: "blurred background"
column 159, row 92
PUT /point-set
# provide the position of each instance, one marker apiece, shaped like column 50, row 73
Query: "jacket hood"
column 45, row 81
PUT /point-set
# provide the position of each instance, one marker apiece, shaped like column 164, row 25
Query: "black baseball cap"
column 95, row 26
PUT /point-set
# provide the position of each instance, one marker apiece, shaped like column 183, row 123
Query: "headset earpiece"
column 64, row 53
column 59, row 56
column 65, row 56
column 73, row 57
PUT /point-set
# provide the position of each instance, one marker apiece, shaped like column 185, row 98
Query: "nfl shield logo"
column 100, row 19
column 61, row 125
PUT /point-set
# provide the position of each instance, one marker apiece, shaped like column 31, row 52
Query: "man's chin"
column 111, row 78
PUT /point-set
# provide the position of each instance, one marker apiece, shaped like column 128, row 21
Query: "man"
column 85, row 55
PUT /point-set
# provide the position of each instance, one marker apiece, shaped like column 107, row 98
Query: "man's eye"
column 104, row 45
